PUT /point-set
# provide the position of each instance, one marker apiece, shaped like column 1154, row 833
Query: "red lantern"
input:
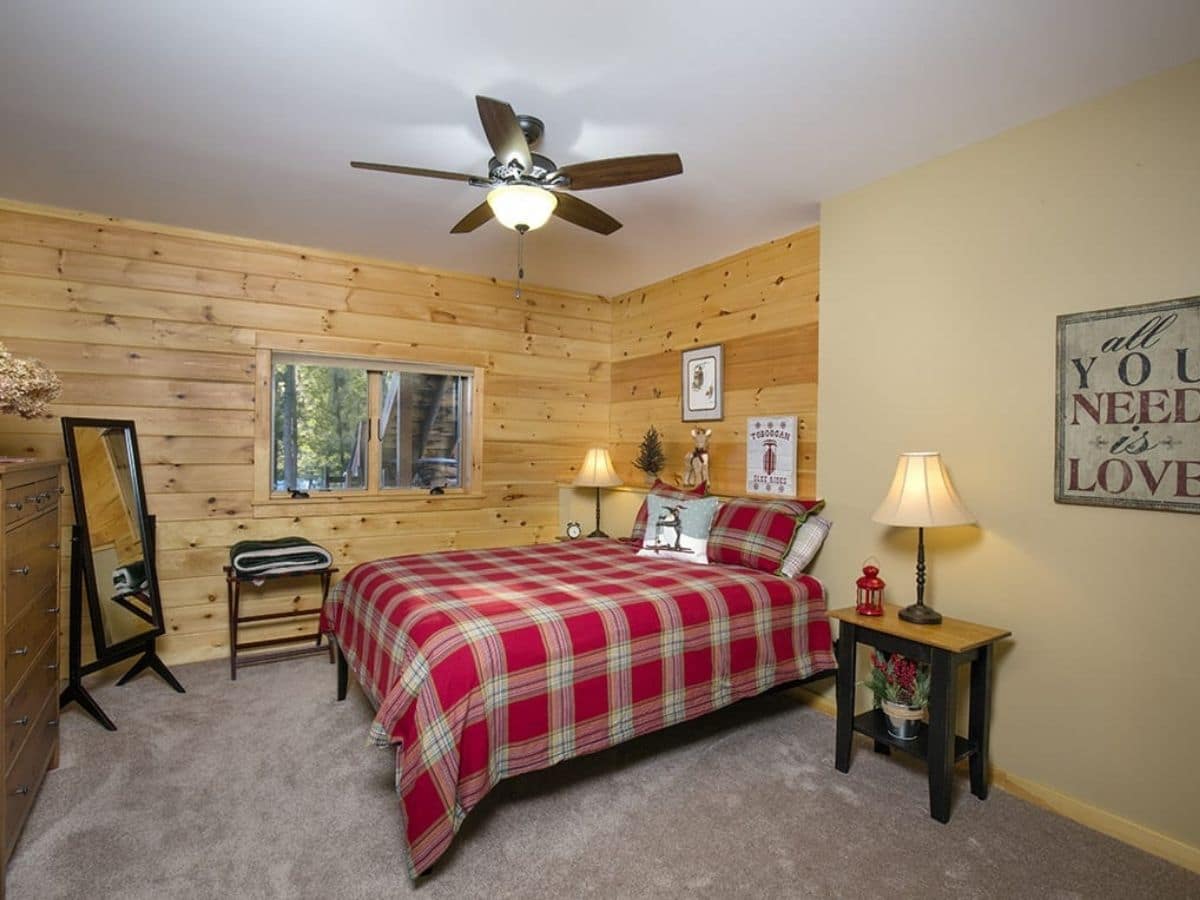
column 869, row 601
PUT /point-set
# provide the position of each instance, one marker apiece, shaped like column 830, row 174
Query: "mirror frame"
column 105, row 651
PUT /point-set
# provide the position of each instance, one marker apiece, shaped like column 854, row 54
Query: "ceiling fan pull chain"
column 520, row 259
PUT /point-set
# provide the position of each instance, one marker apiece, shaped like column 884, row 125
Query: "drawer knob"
column 21, row 651
column 53, row 545
column 53, row 667
column 24, row 720
column 23, row 570
column 17, row 505
column 53, row 723
column 21, row 790
column 52, row 611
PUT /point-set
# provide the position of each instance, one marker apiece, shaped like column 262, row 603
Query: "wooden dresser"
column 29, row 546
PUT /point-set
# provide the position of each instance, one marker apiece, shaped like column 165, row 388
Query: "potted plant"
column 901, row 689
column 651, row 458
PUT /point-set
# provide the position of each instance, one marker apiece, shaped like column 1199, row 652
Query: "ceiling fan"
column 526, row 188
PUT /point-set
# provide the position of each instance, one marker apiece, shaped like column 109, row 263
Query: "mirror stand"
column 75, row 691
column 151, row 660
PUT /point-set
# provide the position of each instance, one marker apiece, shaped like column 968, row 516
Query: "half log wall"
column 761, row 304
column 161, row 326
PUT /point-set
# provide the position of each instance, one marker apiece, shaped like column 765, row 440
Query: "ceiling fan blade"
column 480, row 215
column 581, row 213
column 621, row 170
column 409, row 170
column 504, row 132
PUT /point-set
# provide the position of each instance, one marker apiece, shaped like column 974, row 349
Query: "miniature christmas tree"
column 651, row 458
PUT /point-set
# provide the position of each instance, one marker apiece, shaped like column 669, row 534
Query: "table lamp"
column 921, row 496
column 597, row 472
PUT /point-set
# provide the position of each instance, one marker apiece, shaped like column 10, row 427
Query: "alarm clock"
column 574, row 530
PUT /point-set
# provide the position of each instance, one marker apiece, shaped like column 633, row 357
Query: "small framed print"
column 703, row 381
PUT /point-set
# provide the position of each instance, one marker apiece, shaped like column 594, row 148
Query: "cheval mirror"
column 112, row 558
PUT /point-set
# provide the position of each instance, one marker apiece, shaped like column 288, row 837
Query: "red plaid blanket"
column 485, row 664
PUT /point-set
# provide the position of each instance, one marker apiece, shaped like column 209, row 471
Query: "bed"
column 484, row 664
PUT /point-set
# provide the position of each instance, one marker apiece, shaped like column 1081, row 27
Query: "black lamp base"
column 598, row 532
column 920, row 614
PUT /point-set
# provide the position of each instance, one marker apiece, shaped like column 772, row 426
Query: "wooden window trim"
column 269, row 503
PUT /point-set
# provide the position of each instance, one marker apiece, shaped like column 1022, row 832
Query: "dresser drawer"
column 28, row 770
column 22, row 708
column 24, row 501
column 26, row 637
column 30, row 564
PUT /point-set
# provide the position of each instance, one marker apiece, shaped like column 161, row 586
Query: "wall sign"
column 771, row 455
column 1128, row 429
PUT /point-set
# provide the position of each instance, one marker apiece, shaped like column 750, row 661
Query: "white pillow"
column 808, row 540
column 678, row 529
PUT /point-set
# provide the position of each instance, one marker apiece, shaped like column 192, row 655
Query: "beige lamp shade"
column 597, row 470
column 921, row 495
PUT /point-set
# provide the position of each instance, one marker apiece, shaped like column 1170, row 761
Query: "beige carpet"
column 266, row 788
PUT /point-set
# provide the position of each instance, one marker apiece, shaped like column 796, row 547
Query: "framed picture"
column 1128, row 404
column 703, row 381
column 771, row 455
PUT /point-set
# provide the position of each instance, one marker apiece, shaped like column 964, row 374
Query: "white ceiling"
column 241, row 117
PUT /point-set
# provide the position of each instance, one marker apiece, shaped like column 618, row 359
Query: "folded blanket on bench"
column 131, row 578
column 284, row 556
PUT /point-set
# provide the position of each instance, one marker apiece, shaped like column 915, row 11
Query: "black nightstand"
column 945, row 647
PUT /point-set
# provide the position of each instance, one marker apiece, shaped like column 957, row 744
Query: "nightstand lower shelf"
column 874, row 725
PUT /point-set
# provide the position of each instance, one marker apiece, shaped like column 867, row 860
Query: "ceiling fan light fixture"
column 518, row 206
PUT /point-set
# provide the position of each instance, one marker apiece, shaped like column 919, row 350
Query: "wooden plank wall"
column 160, row 325
column 761, row 304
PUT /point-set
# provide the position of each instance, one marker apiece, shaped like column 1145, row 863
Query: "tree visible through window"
column 322, row 436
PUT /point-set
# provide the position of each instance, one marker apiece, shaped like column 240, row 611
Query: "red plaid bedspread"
column 485, row 664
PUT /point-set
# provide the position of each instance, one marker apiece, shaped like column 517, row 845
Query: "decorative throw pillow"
column 808, row 540
column 753, row 533
column 662, row 489
column 678, row 529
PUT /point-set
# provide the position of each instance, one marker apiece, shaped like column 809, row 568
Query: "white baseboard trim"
column 1101, row 820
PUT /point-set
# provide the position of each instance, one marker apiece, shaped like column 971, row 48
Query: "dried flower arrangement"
column 26, row 386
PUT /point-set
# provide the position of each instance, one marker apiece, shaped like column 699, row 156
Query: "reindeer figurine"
column 695, row 463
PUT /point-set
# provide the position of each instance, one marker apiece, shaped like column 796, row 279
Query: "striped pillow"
column 753, row 533
column 809, row 538
column 662, row 489
column 801, row 508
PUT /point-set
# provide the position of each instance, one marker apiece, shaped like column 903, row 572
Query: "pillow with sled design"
column 638, row 534
column 678, row 529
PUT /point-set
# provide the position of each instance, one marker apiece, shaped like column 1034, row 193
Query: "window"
column 365, row 427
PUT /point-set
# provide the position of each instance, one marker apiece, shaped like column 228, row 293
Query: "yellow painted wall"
column 940, row 288
column 161, row 325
